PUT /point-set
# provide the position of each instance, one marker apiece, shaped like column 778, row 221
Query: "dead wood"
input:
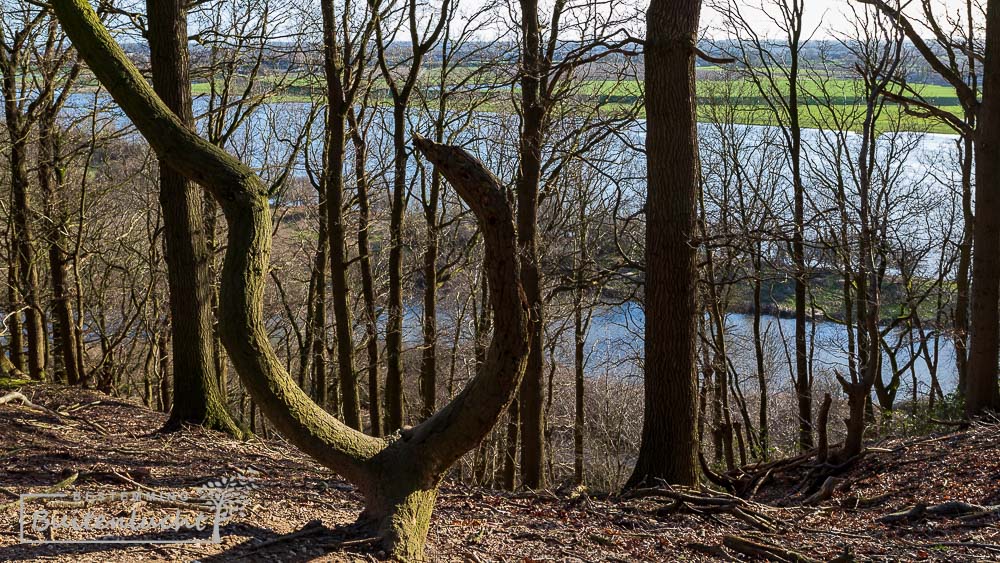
column 949, row 509
column 715, row 551
column 764, row 550
column 908, row 514
column 710, row 502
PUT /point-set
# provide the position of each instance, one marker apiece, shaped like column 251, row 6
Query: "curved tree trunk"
column 399, row 475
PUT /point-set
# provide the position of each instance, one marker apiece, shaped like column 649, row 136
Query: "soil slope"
column 86, row 442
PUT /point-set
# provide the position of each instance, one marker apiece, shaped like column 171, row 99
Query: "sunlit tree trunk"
column 196, row 395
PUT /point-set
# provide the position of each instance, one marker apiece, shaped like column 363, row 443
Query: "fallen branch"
column 864, row 502
column 949, row 509
column 764, row 550
column 49, row 490
column 18, row 396
column 711, row 550
column 909, row 514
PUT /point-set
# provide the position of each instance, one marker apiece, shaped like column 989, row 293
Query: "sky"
column 827, row 17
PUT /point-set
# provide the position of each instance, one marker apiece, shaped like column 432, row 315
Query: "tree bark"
column 981, row 381
column 16, row 332
column 669, row 441
column 399, row 476
column 320, row 391
column 531, row 405
column 50, row 181
column 428, row 357
column 367, row 279
column 27, row 289
column 803, row 376
column 336, row 116
column 196, row 396
column 394, row 323
column 961, row 315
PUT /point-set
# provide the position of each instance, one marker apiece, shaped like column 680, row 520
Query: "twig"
column 311, row 527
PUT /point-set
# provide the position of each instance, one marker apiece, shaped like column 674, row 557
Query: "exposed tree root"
column 711, row 502
column 824, row 492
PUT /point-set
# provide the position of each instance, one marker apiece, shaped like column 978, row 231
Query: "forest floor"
column 89, row 442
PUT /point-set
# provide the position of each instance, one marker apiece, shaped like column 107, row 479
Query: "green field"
column 829, row 104
column 822, row 104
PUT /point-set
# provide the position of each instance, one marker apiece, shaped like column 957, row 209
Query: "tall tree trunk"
column 336, row 117
column 394, row 323
column 428, row 359
column 868, row 295
column 531, row 403
column 320, row 391
column 50, row 178
column 961, row 315
column 758, row 348
column 981, row 382
column 669, row 441
column 803, row 376
column 27, row 289
column 196, row 396
column 219, row 360
column 367, row 279
column 579, row 359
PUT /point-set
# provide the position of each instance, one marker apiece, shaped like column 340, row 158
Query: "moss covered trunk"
column 399, row 476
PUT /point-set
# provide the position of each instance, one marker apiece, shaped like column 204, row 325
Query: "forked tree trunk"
column 398, row 476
